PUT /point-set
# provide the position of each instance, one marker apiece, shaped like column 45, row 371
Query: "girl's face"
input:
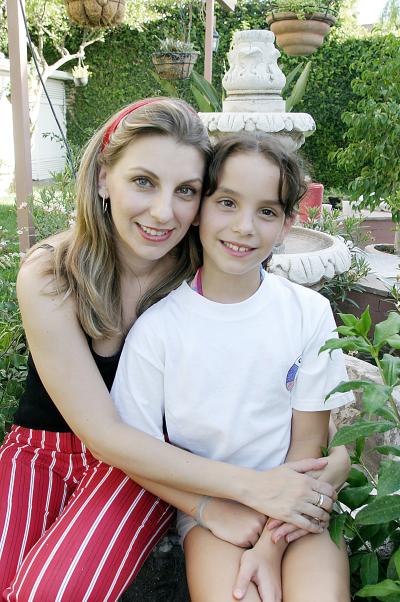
column 154, row 191
column 243, row 219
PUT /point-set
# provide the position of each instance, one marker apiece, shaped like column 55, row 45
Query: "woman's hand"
column 334, row 473
column 233, row 522
column 291, row 496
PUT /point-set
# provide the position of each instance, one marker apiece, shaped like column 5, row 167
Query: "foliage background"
column 122, row 72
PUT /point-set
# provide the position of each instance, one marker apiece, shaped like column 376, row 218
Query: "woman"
column 72, row 527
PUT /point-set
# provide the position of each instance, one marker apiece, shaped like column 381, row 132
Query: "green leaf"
column 375, row 396
column 364, row 323
column 389, row 477
column 352, row 385
column 348, row 319
column 336, row 526
column 362, row 428
column 387, row 329
column 166, row 86
column 356, row 478
column 381, row 590
column 382, row 510
column 202, row 103
column 299, row 88
column 207, row 90
column 290, row 78
column 369, row 569
column 354, row 497
column 388, row 449
column 347, row 343
column 391, row 369
column 394, row 341
column 393, row 569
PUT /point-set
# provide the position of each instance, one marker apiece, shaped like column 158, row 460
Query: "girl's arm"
column 69, row 373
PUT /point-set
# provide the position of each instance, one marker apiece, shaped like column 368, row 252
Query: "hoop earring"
column 105, row 204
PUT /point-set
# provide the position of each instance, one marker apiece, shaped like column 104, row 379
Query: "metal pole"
column 21, row 127
column 208, row 40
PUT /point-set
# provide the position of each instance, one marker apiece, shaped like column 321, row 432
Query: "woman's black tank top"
column 36, row 409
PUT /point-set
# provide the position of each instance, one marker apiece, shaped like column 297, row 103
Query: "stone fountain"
column 254, row 102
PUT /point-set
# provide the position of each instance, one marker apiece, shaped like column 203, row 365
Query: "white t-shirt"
column 226, row 376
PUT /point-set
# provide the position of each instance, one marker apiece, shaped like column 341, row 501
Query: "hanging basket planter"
column 174, row 65
column 96, row 13
column 81, row 81
column 298, row 37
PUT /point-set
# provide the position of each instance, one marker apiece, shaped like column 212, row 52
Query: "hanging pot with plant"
column 81, row 74
column 175, row 59
column 300, row 26
column 96, row 13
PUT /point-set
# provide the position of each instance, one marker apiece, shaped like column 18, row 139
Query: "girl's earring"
column 105, row 203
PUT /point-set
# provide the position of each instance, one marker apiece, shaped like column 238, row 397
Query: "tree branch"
column 73, row 56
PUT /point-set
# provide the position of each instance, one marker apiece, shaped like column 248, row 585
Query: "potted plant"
column 80, row 73
column 92, row 13
column 175, row 59
column 300, row 26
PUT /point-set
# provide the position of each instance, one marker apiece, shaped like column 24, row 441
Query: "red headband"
column 113, row 126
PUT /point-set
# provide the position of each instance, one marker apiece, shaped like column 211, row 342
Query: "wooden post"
column 208, row 41
column 21, row 127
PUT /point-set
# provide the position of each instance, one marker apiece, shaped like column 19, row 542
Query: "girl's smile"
column 237, row 250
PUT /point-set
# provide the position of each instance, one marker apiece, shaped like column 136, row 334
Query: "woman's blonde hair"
column 85, row 262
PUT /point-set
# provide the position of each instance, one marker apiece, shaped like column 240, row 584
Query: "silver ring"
column 320, row 500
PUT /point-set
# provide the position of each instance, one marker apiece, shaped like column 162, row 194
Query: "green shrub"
column 373, row 134
column 368, row 508
column 12, row 338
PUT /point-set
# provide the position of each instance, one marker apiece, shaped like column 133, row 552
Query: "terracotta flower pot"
column 96, row 13
column 299, row 37
column 174, row 65
column 312, row 199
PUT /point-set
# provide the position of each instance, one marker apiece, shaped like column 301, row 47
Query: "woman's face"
column 154, row 190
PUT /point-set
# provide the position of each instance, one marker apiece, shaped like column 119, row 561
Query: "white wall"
column 48, row 153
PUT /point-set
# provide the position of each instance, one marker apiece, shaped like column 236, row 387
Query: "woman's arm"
column 70, row 375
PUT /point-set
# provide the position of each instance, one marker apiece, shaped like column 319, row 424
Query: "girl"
column 71, row 526
column 230, row 366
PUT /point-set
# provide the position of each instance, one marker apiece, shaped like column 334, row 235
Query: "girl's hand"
column 280, row 530
column 264, row 571
column 233, row 522
column 292, row 496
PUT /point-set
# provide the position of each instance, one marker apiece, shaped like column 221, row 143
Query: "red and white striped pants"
column 72, row 529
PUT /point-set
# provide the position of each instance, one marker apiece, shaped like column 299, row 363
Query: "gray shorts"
column 184, row 523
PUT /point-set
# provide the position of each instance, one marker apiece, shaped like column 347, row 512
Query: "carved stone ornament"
column 310, row 257
column 96, row 13
column 253, row 87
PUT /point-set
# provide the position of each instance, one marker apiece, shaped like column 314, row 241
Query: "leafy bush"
column 368, row 508
column 53, row 206
column 12, row 338
column 374, row 131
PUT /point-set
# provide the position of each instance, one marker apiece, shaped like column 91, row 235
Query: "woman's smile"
column 154, row 234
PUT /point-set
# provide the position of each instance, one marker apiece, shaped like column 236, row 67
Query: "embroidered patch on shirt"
column 291, row 375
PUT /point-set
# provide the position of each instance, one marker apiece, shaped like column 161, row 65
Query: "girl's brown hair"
column 292, row 184
column 85, row 262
